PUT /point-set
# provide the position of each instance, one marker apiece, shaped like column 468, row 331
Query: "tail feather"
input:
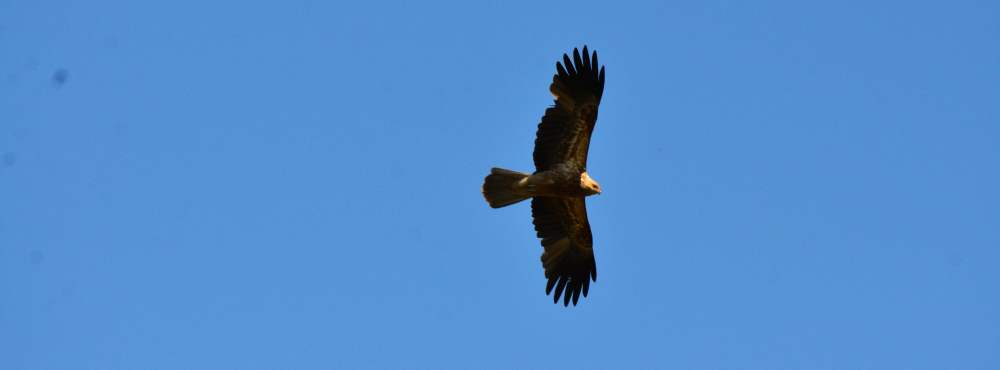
column 500, row 188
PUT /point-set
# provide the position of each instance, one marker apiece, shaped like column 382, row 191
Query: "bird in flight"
column 560, row 182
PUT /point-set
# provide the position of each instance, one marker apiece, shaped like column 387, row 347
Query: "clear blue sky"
column 296, row 185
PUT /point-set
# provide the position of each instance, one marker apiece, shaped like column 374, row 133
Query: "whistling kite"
column 560, row 183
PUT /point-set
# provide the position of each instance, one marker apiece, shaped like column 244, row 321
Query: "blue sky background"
column 295, row 185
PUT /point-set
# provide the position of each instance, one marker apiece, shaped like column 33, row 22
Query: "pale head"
column 589, row 186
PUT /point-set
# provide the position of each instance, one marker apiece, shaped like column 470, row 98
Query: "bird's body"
column 560, row 181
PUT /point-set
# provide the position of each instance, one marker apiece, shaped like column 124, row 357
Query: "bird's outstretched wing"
column 564, row 134
column 568, row 259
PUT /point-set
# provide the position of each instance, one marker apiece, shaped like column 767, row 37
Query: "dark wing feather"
column 564, row 133
column 568, row 259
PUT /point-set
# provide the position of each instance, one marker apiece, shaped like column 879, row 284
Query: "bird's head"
column 589, row 186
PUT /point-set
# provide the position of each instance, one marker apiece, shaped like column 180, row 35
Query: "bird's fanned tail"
column 501, row 187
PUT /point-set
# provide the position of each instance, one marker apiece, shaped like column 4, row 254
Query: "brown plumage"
column 560, row 181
